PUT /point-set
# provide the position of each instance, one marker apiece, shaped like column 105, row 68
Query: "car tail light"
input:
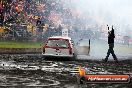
column 70, row 50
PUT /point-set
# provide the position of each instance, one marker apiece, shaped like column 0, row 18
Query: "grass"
column 16, row 44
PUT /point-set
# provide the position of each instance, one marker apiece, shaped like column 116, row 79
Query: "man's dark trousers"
column 110, row 50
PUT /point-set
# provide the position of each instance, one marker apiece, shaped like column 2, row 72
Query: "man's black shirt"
column 111, row 36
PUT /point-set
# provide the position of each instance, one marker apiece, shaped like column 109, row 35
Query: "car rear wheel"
column 74, row 56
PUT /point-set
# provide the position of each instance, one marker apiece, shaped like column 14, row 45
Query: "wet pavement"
column 33, row 70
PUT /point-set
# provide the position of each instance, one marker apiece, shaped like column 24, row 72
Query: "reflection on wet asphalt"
column 33, row 70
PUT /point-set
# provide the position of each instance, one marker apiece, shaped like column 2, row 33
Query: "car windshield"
column 57, row 43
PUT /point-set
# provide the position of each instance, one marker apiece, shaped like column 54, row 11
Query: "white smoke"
column 112, row 12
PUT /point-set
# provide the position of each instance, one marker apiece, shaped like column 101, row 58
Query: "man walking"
column 111, row 37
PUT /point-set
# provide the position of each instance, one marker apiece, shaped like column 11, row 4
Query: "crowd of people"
column 53, row 13
column 44, row 18
column 50, row 11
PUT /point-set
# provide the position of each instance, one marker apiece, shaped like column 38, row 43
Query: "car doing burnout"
column 59, row 47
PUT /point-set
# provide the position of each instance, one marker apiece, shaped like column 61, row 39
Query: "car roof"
column 60, row 37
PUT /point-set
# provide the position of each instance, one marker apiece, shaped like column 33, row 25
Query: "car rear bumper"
column 52, row 55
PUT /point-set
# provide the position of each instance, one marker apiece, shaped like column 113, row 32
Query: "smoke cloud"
column 112, row 12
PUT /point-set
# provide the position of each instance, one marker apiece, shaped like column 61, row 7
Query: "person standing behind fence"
column 111, row 37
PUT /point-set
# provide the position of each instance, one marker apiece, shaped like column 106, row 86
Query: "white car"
column 59, row 46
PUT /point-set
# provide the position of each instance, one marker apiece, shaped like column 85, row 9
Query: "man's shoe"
column 116, row 61
column 104, row 60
